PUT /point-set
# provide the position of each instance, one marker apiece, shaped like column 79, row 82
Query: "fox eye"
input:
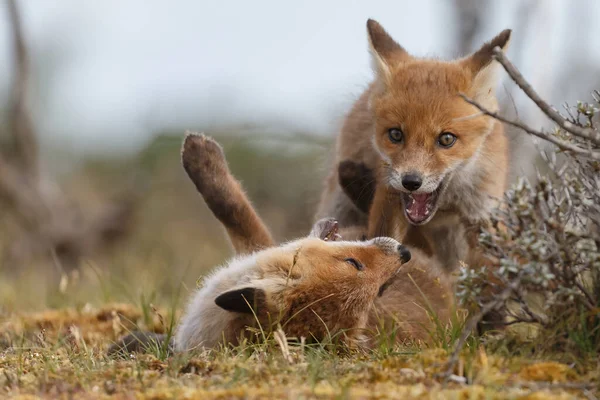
column 446, row 139
column 395, row 135
column 356, row 264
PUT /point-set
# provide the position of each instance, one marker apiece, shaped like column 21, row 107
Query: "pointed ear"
column 385, row 52
column 240, row 300
column 485, row 69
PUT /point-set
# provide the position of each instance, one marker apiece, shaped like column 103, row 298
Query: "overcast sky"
column 111, row 73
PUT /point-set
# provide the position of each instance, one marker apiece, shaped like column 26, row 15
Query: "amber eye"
column 446, row 139
column 356, row 264
column 395, row 135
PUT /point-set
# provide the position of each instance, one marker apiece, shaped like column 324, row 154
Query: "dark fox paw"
column 203, row 160
column 358, row 182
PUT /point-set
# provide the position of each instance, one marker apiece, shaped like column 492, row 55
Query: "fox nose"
column 404, row 253
column 412, row 181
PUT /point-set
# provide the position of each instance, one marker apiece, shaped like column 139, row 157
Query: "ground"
column 62, row 353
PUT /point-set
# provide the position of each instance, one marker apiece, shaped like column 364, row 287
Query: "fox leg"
column 385, row 217
column 358, row 183
column 206, row 166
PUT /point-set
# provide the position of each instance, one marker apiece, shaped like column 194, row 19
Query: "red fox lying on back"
column 310, row 286
column 313, row 286
column 440, row 165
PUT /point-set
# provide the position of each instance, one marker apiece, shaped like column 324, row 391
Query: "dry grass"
column 60, row 353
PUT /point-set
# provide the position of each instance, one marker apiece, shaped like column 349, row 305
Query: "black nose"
column 404, row 253
column 412, row 181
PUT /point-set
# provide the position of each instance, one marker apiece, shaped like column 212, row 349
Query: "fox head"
column 424, row 130
column 317, row 285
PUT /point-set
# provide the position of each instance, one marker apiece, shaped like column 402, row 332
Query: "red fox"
column 309, row 286
column 313, row 286
column 439, row 165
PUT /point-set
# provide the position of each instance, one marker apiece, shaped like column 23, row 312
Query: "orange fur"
column 421, row 97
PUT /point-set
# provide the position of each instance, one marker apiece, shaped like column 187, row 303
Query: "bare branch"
column 589, row 299
column 50, row 223
column 25, row 138
column 586, row 133
column 563, row 145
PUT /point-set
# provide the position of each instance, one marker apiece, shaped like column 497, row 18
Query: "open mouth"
column 419, row 208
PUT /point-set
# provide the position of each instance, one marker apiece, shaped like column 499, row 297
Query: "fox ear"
column 485, row 69
column 242, row 300
column 385, row 52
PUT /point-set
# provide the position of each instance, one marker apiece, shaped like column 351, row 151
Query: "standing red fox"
column 439, row 163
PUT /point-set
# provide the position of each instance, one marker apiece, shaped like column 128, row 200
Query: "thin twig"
column 586, row 133
column 545, row 136
column 589, row 300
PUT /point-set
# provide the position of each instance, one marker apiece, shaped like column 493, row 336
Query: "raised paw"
column 326, row 229
column 203, row 160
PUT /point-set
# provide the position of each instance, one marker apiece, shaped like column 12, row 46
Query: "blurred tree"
column 470, row 18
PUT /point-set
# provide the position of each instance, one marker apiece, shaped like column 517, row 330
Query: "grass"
column 55, row 330
column 61, row 353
